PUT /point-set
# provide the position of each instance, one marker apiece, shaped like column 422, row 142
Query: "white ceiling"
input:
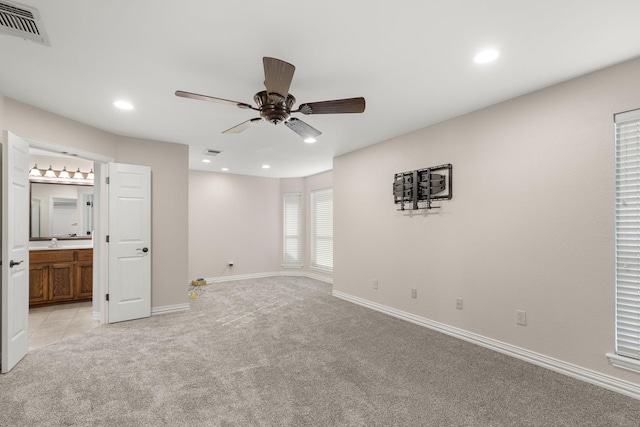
column 411, row 59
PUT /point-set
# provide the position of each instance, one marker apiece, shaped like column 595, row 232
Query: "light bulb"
column 63, row 173
column 35, row 171
column 50, row 173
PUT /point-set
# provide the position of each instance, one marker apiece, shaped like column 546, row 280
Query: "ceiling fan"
column 275, row 103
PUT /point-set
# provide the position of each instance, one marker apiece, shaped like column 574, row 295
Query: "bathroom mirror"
column 63, row 211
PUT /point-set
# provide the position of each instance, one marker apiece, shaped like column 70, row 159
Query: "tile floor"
column 53, row 323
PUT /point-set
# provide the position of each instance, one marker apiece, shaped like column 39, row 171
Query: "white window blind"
column 292, row 235
column 322, row 229
column 627, row 126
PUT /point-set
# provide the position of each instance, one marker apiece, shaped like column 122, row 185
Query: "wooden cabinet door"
column 84, row 280
column 61, row 281
column 38, row 283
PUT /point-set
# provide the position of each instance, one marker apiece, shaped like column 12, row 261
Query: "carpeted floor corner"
column 283, row 352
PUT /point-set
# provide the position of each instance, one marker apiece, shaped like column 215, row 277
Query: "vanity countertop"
column 69, row 247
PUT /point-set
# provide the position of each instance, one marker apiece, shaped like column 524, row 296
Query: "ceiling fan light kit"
column 275, row 104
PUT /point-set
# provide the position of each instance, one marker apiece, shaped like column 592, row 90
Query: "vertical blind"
column 627, row 233
column 322, row 229
column 292, row 235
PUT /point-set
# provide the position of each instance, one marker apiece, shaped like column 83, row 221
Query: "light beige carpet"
column 284, row 352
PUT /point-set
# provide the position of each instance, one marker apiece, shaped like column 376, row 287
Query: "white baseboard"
column 169, row 309
column 605, row 381
column 310, row 275
column 241, row 277
column 294, row 273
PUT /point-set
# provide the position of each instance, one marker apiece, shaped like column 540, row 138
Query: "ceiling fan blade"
column 338, row 106
column 277, row 76
column 190, row 95
column 243, row 126
column 302, row 129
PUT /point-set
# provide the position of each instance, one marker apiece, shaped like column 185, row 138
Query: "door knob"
column 13, row 263
column 145, row 250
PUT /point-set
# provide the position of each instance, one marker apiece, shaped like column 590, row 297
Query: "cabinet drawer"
column 85, row 255
column 54, row 255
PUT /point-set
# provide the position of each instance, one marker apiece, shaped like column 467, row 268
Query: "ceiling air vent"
column 22, row 21
column 212, row 153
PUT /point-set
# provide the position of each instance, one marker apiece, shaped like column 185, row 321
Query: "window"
column 322, row 229
column 292, row 235
column 627, row 234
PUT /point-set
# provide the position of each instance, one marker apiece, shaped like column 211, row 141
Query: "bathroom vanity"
column 60, row 246
column 60, row 275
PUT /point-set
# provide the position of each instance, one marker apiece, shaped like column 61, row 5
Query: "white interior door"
column 129, row 293
column 15, row 250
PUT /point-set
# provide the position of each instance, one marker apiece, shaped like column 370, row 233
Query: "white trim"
column 624, row 362
column 241, row 277
column 308, row 274
column 165, row 309
column 268, row 274
column 623, row 387
column 57, row 148
column 321, row 269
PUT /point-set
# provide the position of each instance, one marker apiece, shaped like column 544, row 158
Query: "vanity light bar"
column 52, row 175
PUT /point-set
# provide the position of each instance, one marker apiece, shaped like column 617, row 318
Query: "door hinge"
column 107, row 180
column 107, row 297
column 107, row 238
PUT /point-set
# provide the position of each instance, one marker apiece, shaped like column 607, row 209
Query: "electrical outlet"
column 521, row 317
column 414, row 293
column 375, row 283
column 459, row 303
column 230, row 264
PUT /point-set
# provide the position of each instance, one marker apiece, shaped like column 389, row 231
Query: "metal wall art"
column 419, row 188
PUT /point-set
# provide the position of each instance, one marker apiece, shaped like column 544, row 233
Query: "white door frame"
column 100, row 259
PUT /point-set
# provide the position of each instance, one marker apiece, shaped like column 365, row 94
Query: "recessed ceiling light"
column 486, row 56
column 123, row 105
column 206, row 161
column 266, row 166
column 310, row 140
column 224, row 169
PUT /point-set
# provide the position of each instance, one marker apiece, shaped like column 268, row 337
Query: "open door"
column 15, row 251
column 129, row 293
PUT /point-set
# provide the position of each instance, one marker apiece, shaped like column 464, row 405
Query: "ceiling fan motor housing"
column 274, row 107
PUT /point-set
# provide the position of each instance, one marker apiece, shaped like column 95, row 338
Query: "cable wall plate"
column 417, row 189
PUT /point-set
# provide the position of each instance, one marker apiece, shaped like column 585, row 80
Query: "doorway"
column 60, row 282
column 95, row 218
column 124, row 271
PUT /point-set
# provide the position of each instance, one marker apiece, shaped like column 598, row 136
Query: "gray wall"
column 530, row 226
column 233, row 218
column 239, row 218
